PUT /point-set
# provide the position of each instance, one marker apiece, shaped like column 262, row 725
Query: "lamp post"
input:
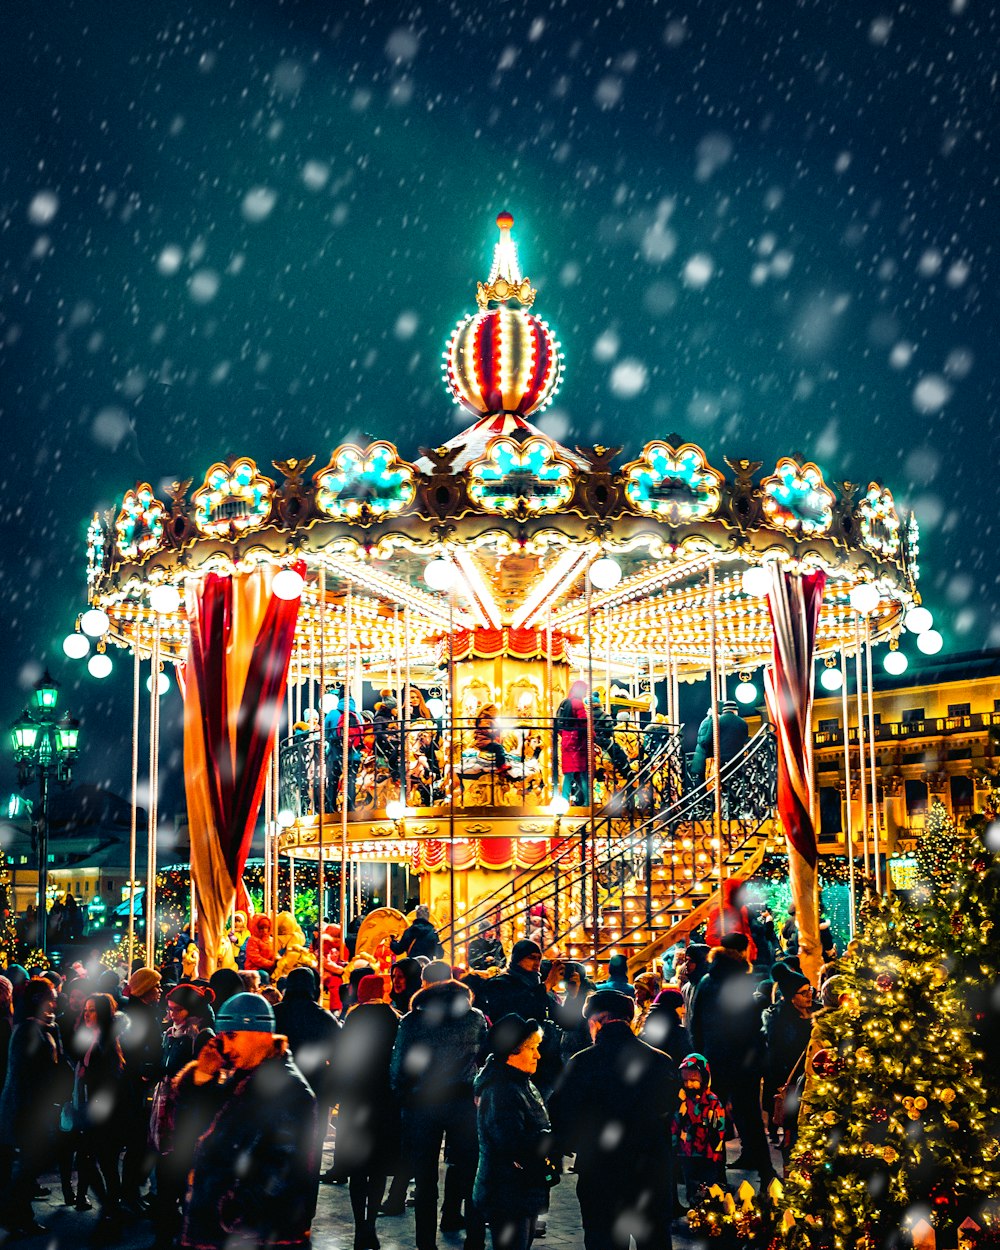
column 44, row 747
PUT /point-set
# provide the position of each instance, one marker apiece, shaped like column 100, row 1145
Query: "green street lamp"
column 44, row 747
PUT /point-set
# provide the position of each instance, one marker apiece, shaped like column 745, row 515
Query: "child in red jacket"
column 260, row 945
column 699, row 1128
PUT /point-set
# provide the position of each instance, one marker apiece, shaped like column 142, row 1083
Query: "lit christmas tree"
column 8, row 930
column 937, row 850
column 895, row 1116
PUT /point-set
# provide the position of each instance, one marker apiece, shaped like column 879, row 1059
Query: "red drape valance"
column 496, row 853
column 519, row 644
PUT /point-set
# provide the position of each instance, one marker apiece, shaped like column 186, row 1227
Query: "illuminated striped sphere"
column 502, row 360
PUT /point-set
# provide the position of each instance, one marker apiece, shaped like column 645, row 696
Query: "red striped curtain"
column 240, row 646
column 794, row 601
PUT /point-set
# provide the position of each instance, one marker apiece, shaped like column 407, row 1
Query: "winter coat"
column 313, row 1034
column 260, row 951
column 613, row 1106
column 569, row 1016
column 725, row 1023
column 486, row 952
column 514, row 1140
column 664, row 1030
column 516, row 991
column 787, row 1035
column 734, row 733
column 437, row 1048
column 255, row 1172
column 38, row 1081
column 101, row 1072
column 735, row 918
column 618, row 977
column 571, row 722
column 368, row 1125
column 699, row 1125
column 181, row 1043
column 420, row 938
column 182, row 1116
column 142, row 1042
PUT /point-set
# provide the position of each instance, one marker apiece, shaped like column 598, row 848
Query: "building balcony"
column 901, row 731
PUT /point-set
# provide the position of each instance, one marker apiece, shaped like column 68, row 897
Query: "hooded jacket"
column 699, row 1125
column 260, row 944
column 368, row 1126
column 255, row 1173
column 514, row 1140
column 437, row 1047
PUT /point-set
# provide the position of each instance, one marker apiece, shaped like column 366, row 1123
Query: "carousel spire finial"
column 506, row 280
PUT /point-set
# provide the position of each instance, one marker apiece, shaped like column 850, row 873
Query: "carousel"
column 468, row 662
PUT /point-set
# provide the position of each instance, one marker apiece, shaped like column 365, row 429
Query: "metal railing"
column 496, row 763
column 615, row 855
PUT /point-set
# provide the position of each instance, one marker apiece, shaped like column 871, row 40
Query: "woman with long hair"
column 101, row 1096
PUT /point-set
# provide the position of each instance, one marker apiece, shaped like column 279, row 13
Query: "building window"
column 961, row 794
column 829, row 811
column 916, row 797
column 831, row 726
column 913, row 714
column 960, row 753
column 959, row 709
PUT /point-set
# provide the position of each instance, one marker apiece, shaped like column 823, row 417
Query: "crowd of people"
column 206, row 1105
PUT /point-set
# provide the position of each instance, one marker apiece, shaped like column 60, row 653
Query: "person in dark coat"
column 568, row 1013
column 618, row 976
column 663, row 1028
column 419, row 938
column 35, row 1086
column 613, row 1107
column 142, row 1047
column 695, row 967
column 368, row 1122
column 514, row 1135
column 6, row 1025
column 196, row 1095
column 486, row 950
column 253, row 1178
column 725, row 1028
column 404, row 976
column 787, row 1028
column 313, row 1034
column 733, row 736
column 187, row 1026
column 100, row 1076
column 521, row 991
column 432, row 1070
column 571, row 725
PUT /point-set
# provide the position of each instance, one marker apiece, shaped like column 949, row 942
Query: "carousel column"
column 276, row 807
column 321, row 748
column 852, row 903
column 590, row 766
column 451, row 759
column 345, row 730
column 154, row 753
column 404, row 717
column 872, row 766
column 133, row 821
column 860, row 685
column 267, row 838
column 717, row 776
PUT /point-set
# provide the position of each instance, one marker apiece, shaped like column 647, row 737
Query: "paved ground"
column 332, row 1229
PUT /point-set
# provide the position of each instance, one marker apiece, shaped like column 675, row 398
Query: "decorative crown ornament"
column 506, row 280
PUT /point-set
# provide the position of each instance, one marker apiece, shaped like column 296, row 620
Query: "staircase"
column 645, row 870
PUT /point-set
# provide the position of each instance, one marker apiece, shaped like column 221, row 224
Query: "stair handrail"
column 668, row 760
column 635, row 844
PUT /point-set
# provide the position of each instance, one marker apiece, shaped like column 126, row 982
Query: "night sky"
column 249, row 228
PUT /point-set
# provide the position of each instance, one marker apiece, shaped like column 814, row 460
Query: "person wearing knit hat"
column 144, row 985
column 519, row 990
column 187, row 1027
column 253, row 1176
column 662, row 1026
column 787, row 1028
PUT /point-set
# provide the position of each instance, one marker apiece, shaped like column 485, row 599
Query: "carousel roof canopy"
column 530, row 531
